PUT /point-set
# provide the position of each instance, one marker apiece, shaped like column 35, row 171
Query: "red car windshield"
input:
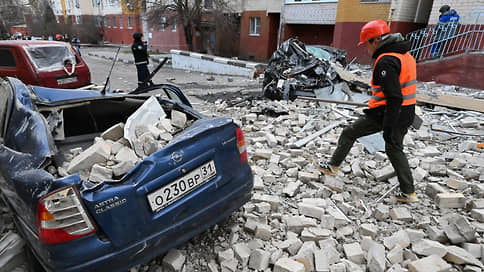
column 50, row 57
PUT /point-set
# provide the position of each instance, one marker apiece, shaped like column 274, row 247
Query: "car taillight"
column 61, row 217
column 241, row 145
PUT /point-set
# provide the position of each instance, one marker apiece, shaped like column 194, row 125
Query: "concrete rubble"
column 112, row 155
column 299, row 220
column 312, row 222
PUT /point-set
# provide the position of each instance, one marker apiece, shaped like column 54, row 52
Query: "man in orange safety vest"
column 391, row 108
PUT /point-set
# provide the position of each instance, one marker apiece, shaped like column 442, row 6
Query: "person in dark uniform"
column 391, row 108
column 140, row 53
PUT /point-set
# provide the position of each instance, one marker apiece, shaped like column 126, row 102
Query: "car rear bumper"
column 158, row 243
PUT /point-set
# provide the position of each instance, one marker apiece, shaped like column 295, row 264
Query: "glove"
column 387, row 134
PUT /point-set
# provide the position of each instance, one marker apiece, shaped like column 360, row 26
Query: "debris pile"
column 297, row 69
column 122, row 146
column 299, row 220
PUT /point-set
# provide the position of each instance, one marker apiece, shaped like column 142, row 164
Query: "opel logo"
column 177, row 156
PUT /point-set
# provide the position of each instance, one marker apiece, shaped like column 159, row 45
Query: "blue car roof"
column 49, row 95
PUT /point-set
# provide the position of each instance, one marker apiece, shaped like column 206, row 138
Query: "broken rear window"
column 50, row 57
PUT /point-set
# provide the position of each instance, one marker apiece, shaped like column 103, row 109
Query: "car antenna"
column 103, row 92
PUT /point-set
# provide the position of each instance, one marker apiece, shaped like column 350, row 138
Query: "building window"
column 173, row 25
column 107, row 22
column 57, row 19
column 208, row 4
column 78, row 19
column 254, row 26
column 130, row 24
column 162, row 24
column 114, row 22
column 78, row 5
column 120, row 22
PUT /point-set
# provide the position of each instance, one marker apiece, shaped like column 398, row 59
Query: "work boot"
column 327, row 169
column 405, row 198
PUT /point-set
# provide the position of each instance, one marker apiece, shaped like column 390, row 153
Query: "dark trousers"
column 365, row 126
column 143, row 74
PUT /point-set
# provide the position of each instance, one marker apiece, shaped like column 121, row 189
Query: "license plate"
column 174, row 191
column 66, row 80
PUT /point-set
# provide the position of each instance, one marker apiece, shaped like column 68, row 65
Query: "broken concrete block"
column 450, row 200
column 427, row 247
column 400, row 237
column 310, row 210
column 273, row 200
column 292, row 188
column 307, row 177
column 478, row 214
column 356, row 169
column 126, row 154
column 430, row 263
column 263, row 207
column 259, row 259
column 430, row 151
column 150, row 145
column 298, row 223
column 459, row 255
column 100, row 174
column 395, row 255
column 263, row 232
column 385, row 173
column 382, row 211
column 376, row 258
column 402, row 214
column 415, row 235
column 271, row 140
column 354, row 252
column 339, row 218
column 464, row 227
column 457, row 184
column 419, row 174
column 368, row 230
column 225, row 255
column 433, row 189
column 114, row 133
column 288, row 265
column 325, row 257
column 473, row 249
column 328, row 221
column 453, row 234
column 315, row 234
column 334, row 183
column 178, row 119
column 436, row 234
column 469, row 122
column 229, row 265
column 242, row 252
column 174, row 260
column 476, row 204
column 165, row 125
column 262, row 154
column 97, row 153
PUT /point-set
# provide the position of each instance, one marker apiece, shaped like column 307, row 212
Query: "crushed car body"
column 58, row 154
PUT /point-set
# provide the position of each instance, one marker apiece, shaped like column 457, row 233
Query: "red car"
column 44, row 63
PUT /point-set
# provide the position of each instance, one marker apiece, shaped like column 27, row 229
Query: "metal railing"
column 449, row 39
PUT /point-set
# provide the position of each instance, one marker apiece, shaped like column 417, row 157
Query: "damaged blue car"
column 81, row 206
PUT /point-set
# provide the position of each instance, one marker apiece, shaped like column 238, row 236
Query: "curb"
column 128, row 61
column 221, row 60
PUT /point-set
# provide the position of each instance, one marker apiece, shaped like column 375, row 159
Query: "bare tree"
column 190, row 14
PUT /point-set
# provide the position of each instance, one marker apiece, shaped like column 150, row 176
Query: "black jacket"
column 386, row 74
column 140, row 52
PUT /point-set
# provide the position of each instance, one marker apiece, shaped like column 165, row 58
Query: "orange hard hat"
column 373, row 29
column 58, row 36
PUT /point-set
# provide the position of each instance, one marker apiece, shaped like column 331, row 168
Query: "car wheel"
column 33, row 265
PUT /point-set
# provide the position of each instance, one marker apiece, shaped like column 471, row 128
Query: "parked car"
column 43, row 63
column 74, row 224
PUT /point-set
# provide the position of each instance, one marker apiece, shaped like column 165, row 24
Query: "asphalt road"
column 195, row 85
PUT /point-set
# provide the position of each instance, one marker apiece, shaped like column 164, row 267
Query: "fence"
column 449, row 39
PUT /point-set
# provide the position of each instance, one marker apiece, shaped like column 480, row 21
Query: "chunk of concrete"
column 288, row 265
column 431, row 263
column 259, row 259
column 100, row 174
column 433, row 189
column 451, row 200
column 242, row 252
column 114, row 133
column 354, row 252
column 97, row 153
column 459, row 255
column 174, row 260
column 178, row 119
column 395, row 255
column 402, row 214
column 126, row 154
column 400, row 237
column 478, row 214
column 376, row 258
column 427, row 247
column 310, row 210
column 12, row 251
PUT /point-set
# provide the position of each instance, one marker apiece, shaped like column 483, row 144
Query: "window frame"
column 13, row 57
column 173, row 25
column 114, row 22
column 120, row 22
column 130, row 23
column 254, row 26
